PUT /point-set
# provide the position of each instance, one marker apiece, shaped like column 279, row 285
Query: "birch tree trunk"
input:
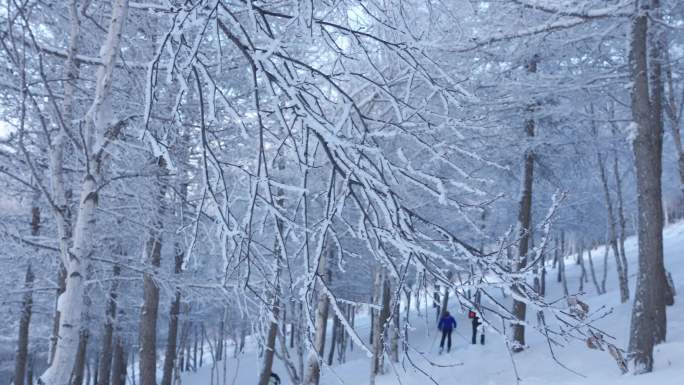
column 314, row 360
column 99, row 130
column 61, row 287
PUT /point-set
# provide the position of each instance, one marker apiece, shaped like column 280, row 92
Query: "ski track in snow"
column 491, row 364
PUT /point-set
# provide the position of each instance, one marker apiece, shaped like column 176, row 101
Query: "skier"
column 447, row 325
column 476, row 323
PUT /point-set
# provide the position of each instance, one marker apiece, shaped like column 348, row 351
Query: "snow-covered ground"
column 491, row 364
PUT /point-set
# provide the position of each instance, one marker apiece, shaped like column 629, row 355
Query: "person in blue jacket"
column 447, row 324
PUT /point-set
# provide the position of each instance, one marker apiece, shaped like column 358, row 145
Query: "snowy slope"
column 491, row 364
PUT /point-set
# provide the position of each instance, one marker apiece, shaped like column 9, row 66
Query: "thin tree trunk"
column 266, row 369
column 105, row 364
column 344, row 337
column 580, row 258
column 29, row 370
column 621, row 217
column 561, row 271
column 606, row 251
column 22, row 357
column 394, row 334
column 267, row 366
column 525, row 224
column 556, row 258
column 95, row 371
column 202, row 335
column 61, row 287
column 119, row 364
column 78, row 372
column 593, row 272
column 194, row 348
column 371, row 333
column 622, row 277
column 172, row 337
column 381, row 290
column 21, row 360
column 352, row 310
column 150, row 309
column 314, row 360
column 542, row 287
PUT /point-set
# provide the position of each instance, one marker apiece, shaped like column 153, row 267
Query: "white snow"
column 491, row 364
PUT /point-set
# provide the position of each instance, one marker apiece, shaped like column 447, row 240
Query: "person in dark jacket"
column 476, row 323
column 447, row 324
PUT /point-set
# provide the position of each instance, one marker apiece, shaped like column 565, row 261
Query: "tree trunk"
column 381, row 294
column 119, row 364
column 394, row 334
column 556, row 258
column 622, row 274
column 194, row 348
column 80, row 361
column 95, row 371
column 267, row 366
column 172, row 337
column 583, row 276
column 315, row 357
column 76, row 259
column 61, row 288
column 593, row 272
column 525, row 224
column 343, row 337
column 648, row 314
column 21, row 360
column 150, row 308
column 29, row 370
column 561, row 272
column 621, row 217
column 201, row 355
column 105, row 364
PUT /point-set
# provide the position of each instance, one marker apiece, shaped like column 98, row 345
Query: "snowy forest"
column 319, row 192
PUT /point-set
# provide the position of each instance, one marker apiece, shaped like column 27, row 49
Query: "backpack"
column 471, row 314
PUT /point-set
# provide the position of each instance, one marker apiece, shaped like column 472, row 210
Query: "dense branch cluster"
column 216, row 169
